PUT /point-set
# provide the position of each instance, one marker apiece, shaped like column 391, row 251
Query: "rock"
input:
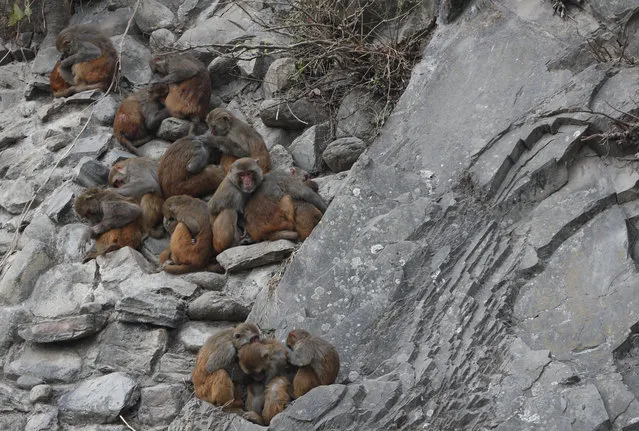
column 19, row 280
column 118, row 269
column 104, row 110
column 63, row 329
column 359, row 115
column 40, row 393
column 58, row 141
column 223, row 69
column 160, row 404
column 153, row 149
column 28, row 382
column 92, row 147
column 99, row 400
column 174, row 368
column 273, row 135
column 250, row 256
column 297, row 115
column 192, row 335
column 206, row 280
column 153, row 15
column 152, row 308
column 281, row 159
column 135, row 60
column 330, row 185
column 11, row 135
column 58, row 205
column 112, row 23
column 173, row 129
column 15, row 194
column 51, row 364
column 41, row 229
column 216, row 306
column 12, row 399
column 62, row 290
column 161, row 40
column 91, row 173
column 207, row 417
column 307, row 149
column 340, row 154
column 131, row 348
column 255, row 66
column 43, row 418
column 13, row 422
column 278, row 76
column 247, row 285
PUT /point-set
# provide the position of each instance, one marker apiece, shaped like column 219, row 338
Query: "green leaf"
column 16, row 16
column 27, row 10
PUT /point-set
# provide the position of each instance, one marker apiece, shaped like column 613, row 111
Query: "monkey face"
column 246, row 333
column 219, row 121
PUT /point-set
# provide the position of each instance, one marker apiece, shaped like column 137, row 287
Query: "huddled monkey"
column 87, row 63
column 189, row 85
column 317, row 359
column 236, row 139
column 139, row 115
column 217, row 377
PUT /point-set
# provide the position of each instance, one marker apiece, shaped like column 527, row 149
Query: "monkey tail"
column 126, row 143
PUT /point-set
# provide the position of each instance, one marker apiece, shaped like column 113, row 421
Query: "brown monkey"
column 189, row 84
column 271, row 388
column 236, row 139
column 317, row 358
column 56, row 81
column 116, row 220
column 217, row 377
column 187, row 220
column 88, row 59
column 184, row 168
column 243, row 178
column 138, row 116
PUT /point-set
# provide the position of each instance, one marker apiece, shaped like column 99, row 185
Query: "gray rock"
column 173, row 129
column 255, row 66
column 15, row 194
column 359, row 115
column 206, row 280
column 92, row 146
column 154, row 149
column 174, row 368
column 216, row 306
column 278, row 76
column 160, row 404
column 111, row 23
column 152, row 308
column 247, row 285
column 104, row 110
column 222, row 70
column 19, row 280
column 135, row 60
column 40, row 229
column 64, row 329
column 281, row 159
column 161, row 40
column 91, row 173
column 40, row 393
column 58, row 205
column 99, row 400
column 117, row 286
column 153, row 15
column 192, row 335
column 62, row 290
column 342, row 153
column 300, row 114
column 51, row 364
column 274, row 135
column 43, row 418
column 58, row 141
column 28, row 382
column 120, row 274
column 12, row 399
column 307, row 149
column 131, row 348
column 12, row 135
column 207, row 417
column 330, row 185
column 250, row 256
column 13, row 422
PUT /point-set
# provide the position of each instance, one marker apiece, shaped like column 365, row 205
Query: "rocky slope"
column 476, row 268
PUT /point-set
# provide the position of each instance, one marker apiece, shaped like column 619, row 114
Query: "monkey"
column 116, row 220
column 138, row 116
column 88, row 59
column 317, row 358
column 271, row 389
column 243, row 178
column 56, row 82
column 190, row 249
column 184, row 168
column 217, row 377
column 236, row 139
column 189, row 85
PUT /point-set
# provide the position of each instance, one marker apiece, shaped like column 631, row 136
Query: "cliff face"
column 476, row 268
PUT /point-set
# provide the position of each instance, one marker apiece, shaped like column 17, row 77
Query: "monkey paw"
column 252, row 417
column 559, row 8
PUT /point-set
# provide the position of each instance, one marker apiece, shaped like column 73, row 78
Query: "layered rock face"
column 476, row 268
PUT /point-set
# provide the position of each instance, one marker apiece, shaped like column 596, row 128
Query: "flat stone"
column 208, row 417
column 154, row 149
column 20, row 278
column 340, row 154
column 93, row 147
column 43, row 418
column 160, row 404
column 250, row 256
column 278, row 76
column 359, row 115
column 280, row 158
column 99, row 400
column 58, row 204
column 152, row 308
column 28, row 382
column 173, row 129
column 15, row 194
column 330, row 185
column 307, row 148
column 248, row 284
column 91, row 173
column 135, row 60
column 216, row 306
column 13, row 422
column 192, row 335
column 174, row 368
column 131, row 348
column 206, row 280
column 153, row 15
column 104, row 110
column 74, row 240
column 51, row 364
column 297, row 115
column 64, row 329
column 12, row 399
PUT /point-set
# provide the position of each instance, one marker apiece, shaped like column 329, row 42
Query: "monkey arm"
column 192, row 224
column 183, row 73
column 199, row 159
column 300, row 356
column 116, row 214
column 138, row 188
column 152, row 121
column 305, row 193
column 86, row 52
column 221, row 357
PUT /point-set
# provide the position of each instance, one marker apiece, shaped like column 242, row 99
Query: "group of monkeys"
column 240, row 360
column 230, row 161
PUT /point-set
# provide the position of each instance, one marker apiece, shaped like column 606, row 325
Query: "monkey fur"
column 236, row 139
column 138, row 116
column 88, row 60
column 317, row 358
column 56, row 82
